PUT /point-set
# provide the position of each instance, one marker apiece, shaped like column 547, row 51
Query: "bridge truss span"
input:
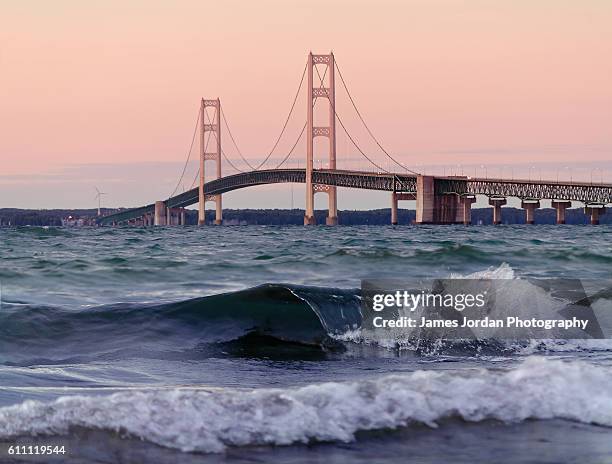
column 600, row 194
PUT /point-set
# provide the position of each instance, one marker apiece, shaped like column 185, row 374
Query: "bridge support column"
column 218, row 211
column 561, row 206
column 530, row 206
column 160, row 213
column 182, row 221
column 594, row 211
column 466, row 202
column 497, row 204
column 394, row 208
column 332, row 214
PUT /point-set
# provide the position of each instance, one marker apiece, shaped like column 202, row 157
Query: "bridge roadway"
column 588, row 193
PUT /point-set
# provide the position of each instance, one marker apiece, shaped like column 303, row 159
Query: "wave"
column 274, row 312
column 239, row 323
column 211, row 420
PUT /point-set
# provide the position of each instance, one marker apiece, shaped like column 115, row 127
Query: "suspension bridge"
column 439, row 199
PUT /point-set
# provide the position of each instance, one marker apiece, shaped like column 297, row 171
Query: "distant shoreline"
column 54, row 217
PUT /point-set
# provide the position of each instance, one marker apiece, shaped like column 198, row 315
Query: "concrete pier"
column 160, row 214
column 436, row 209
column 331, row 221
column 183, row 217
column 561, row 206
column 395, row 197
column 594, row 211
column 425, row 200
column 466, row 203
column 218, row 211
column 394, row 208
column 530, row 206
column 497, row 204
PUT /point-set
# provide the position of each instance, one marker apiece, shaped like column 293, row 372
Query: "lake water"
column 213, row 344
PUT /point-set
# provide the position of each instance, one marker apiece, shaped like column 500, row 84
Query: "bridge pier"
column 182, row 221
column 561, row 206
column 432, row 208
column 425, row 200
column 218, row 211
column 331, row 221
column 497, row 204
column 530, row 206
column 160, row 213
column 394, row 208
column 594, row 211
column 332, row 211
column 466, row 202
column 395, row 197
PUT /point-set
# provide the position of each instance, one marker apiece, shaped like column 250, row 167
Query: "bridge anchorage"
column 439, row 199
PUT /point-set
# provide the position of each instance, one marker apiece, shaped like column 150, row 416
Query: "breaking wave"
column 323, row 318
column 212, row 420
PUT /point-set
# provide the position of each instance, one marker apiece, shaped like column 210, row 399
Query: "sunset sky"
column 105, row 93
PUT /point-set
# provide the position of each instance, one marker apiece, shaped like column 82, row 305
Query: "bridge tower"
column 214, row 155
column 329, row 131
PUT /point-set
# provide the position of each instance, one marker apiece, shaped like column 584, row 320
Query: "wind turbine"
column 99, row 198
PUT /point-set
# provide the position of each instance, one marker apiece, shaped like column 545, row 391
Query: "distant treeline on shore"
column 54, row 217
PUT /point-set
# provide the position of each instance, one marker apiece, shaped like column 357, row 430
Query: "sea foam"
column 211, row 420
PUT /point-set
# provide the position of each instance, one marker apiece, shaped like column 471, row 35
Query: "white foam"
column 514, row 296
column 503, row 271
column 209, row 421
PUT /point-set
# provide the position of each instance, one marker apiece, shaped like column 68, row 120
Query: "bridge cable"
column 195, row 131
column 230, row 162
column 366, row 126
column 293, row 147
column 234, row 140
column 350, row 137
column 222, row 152
column 198, row 171
column 297, row 94
column 305, row 124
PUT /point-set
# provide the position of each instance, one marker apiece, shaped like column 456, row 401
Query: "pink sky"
column 439, row 81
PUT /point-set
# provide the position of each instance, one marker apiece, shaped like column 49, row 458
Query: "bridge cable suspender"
column 195, row 131
column 365, row 125
column 349, row 135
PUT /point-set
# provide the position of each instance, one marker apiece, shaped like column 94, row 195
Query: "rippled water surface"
column 211, row 344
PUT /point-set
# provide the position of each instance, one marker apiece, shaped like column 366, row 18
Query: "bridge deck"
column 521, row 188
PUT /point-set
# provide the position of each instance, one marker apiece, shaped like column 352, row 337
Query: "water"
column 242, row 344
